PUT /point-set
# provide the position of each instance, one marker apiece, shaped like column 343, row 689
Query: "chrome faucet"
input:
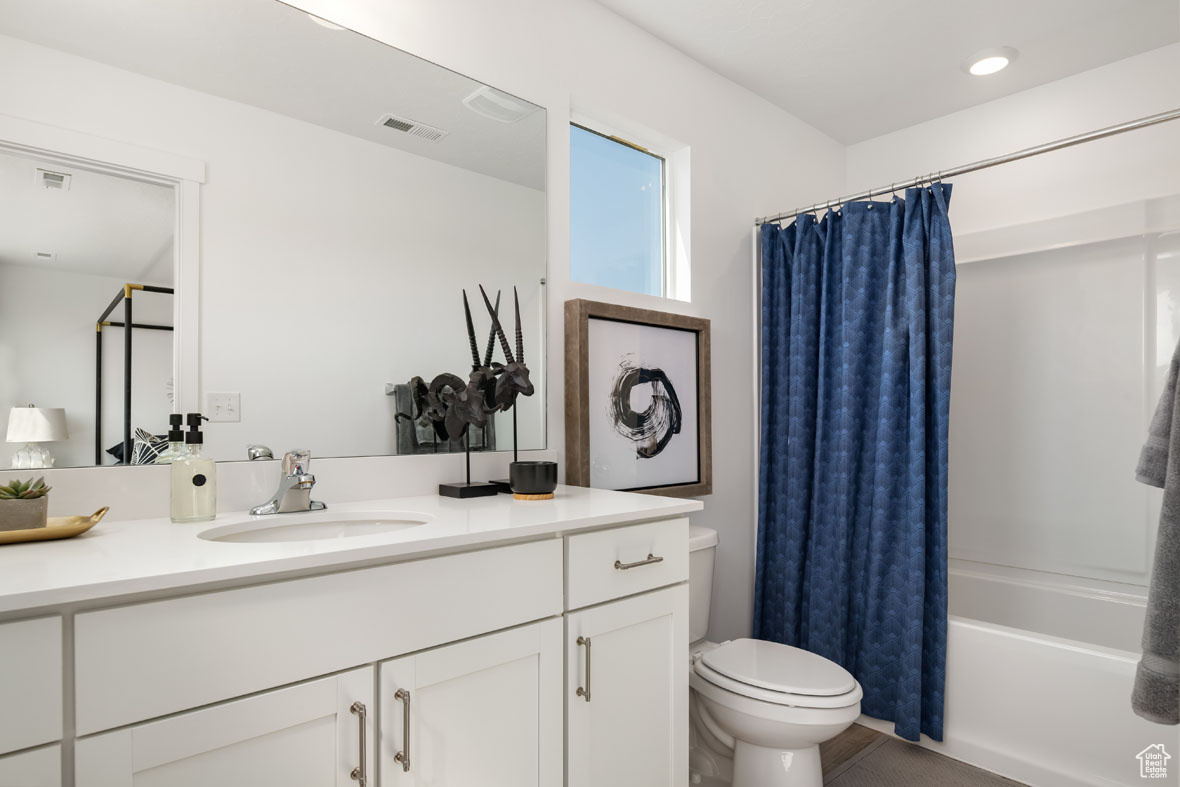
column 294, row 492
column 256, row 452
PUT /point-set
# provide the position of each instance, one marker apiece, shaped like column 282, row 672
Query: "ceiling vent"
column 492, row 103
column 54, row 181
column 411, row 127
column 45, row 256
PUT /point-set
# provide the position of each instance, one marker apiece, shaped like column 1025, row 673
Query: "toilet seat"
column 778, row 674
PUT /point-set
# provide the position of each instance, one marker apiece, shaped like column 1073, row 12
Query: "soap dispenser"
column 175, row 440
column 194, row 478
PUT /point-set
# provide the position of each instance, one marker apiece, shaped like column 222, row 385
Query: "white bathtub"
column 1049, row 709
column 1086, row 610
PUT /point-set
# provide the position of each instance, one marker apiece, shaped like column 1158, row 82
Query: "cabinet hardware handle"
column 621, row 566
column 585, row 692
column 360, row 773
column 403, row 756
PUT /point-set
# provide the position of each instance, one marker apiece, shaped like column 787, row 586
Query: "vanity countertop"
column 154, row 555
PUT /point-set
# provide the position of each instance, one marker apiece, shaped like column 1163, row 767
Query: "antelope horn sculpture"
column 471, row 332
column 497, row 327
column 487, row 359
column 519, row 335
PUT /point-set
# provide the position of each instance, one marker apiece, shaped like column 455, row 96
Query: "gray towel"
column 1156, row 696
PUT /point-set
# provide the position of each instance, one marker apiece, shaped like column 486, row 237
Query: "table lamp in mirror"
column 35, row 426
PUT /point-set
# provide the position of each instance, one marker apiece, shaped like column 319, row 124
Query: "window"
column 617, row 214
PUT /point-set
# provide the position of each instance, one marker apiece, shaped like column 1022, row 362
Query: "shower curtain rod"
column 1036, row 150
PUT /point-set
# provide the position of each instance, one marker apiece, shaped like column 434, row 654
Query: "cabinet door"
column 304, row 735
column 627, row 692
column 36, row 768
column 30, row 683
column 483, row 712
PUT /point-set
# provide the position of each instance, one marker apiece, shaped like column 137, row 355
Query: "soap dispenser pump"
column 175, row 440
column 194, row 478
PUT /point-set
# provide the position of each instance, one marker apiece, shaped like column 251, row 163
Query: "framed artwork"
column 637, row 400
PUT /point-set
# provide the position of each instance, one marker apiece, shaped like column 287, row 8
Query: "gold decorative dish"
column 55, row 527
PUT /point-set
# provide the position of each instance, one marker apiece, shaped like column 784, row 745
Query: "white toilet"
column 758, row 710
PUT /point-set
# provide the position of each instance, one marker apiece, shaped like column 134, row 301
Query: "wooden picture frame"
column 579, row 315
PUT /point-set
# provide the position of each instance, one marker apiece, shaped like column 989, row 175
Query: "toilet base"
column 759, row 766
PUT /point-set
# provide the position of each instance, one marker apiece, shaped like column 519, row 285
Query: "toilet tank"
column 702, row 546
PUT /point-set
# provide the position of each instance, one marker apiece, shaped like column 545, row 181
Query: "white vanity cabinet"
column 627, row 659
column 143, row 661
column 30, row 683
column 314, row 734
column 484, row 712
column 627, row 692
column 557, row 655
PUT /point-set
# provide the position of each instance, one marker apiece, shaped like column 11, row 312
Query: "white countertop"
column 152, row 555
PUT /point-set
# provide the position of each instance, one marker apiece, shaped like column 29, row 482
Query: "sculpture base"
column 465, row 490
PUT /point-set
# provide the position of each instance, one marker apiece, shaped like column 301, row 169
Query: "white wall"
column 47, row 353
column 1069, row 401
column 749, row 158
column 1134, row 166
column 330, row 265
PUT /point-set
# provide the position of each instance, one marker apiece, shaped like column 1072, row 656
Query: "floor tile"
column 899, row 764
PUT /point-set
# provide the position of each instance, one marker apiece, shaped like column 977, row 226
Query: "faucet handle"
column 256, row 452
column 297, row 462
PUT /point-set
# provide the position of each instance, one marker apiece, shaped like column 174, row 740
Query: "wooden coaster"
column 533, row 497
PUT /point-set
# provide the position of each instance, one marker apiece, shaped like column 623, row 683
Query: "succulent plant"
column 24, row 490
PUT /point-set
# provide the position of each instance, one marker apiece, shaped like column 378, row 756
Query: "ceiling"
column 103, row 225
column 857, row 69
column 269, row 55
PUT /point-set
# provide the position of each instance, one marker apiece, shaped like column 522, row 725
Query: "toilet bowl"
column 772, row 705
column 758, row 710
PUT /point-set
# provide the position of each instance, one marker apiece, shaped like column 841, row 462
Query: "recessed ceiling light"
column 324, row 22
column 989, row 61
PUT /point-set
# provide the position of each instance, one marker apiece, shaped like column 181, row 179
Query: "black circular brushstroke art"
column 651, row 429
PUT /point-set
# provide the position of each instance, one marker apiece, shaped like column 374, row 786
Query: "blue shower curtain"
column 857, row 318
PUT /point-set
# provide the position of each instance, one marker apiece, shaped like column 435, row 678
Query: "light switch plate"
column 223, row 407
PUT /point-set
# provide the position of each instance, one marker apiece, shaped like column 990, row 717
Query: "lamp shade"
column 37, row 425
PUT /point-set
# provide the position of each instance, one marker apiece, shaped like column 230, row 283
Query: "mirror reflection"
column 71, row 240
column 351, row 194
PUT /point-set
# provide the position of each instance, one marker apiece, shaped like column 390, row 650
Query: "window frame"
column 665, row 203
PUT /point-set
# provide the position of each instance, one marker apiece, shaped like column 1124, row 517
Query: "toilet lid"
column 769, row 665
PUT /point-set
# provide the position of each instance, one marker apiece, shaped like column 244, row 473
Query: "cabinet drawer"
column 147, row 660
column 30, row 683
column 612, row 563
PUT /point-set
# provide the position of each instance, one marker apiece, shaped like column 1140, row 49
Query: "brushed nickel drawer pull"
column 403, row 756
column 360, row 773
column 585, row 692
column 621, row 566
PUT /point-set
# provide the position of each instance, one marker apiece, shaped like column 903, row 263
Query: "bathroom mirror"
column 351, row 192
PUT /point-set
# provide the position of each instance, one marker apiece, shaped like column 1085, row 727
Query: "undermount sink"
column 312, row 527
